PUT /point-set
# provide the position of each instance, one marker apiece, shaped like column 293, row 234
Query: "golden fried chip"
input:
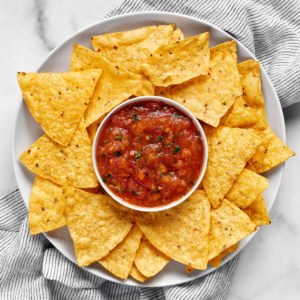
column 257, row 212
column 210, row 97
column 228, row 225
column 70, row 165
column 247, row 188
column 135, row 273
column 216, row 261
column 179, row 61
column 114, row 86
column 92, row 129
column 229, row 150
column 130, row 49
column 240, row 115
column 147, row 88
column 149, row 261
column 181, row 232
column 96, row 224
column 46, row 206
column 176, row 36
column 249, row 71
column 57, row 101
column 120, row 260
column 272, row 152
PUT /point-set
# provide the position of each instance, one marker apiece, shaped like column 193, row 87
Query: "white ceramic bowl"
column 185, row 112
column 27, row 131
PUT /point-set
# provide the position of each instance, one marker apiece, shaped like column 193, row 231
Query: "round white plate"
column 27, row 130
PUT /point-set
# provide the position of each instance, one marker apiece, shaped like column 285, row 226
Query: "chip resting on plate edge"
column 48, row 96
column 130, row 49
column 70, row 165
column 179, row 61
column 46, row 206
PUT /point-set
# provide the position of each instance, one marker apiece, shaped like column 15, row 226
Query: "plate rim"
column 153, row 14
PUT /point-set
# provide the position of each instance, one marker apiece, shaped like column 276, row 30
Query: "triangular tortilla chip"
column 120, row 260
column 130, row 49
column 70, row 165
column 176, row 36
column 149, row 261
column 179, row 61
column 147, row 88
column 228, row 225
column 258, row 212
column 57, row 101
column 46, row 206
column 114, row 86
column 240, row 115
column 249, row 71
column 210, row 97
column 229, row 149
column 135, row 273
column 216, row 261
column 247, row 188
column 181, row 232
column 96, row 224
column 272, row 152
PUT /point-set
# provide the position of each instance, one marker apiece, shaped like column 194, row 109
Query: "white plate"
column 27, row 130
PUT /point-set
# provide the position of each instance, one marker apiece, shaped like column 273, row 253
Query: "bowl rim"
column 182, row 109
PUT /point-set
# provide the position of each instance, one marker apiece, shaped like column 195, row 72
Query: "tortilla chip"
column 249, row 71
column 216, row 261
column 70, row 165
column 228, row 225
column 247, row 188
column 229, row 150
column 46, row 206
column 120, row 260
column 272, row 152
column 181, row 232
column 210, row 97
column 49, row 95
column 179, row 61
column 149, row 261
column 147, row 88
column 258, row 212
column 130, row 49
column 92, row 129
column 114, row 86
column 135, row 273
column 240, row 115
column 176, row 36
column 95, row 223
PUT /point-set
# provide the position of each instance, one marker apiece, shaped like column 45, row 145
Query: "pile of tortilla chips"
column 157, row 60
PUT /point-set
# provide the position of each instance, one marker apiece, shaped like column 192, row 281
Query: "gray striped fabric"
column 30, row 268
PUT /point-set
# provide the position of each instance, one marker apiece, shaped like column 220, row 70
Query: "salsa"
column 149, row 153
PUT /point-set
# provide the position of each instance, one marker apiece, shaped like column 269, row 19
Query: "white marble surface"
column 269, row 267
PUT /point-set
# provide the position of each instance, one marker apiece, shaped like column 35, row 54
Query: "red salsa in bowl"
column 149, row 153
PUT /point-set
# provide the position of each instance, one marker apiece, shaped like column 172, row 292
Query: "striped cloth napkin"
column 30, row 268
